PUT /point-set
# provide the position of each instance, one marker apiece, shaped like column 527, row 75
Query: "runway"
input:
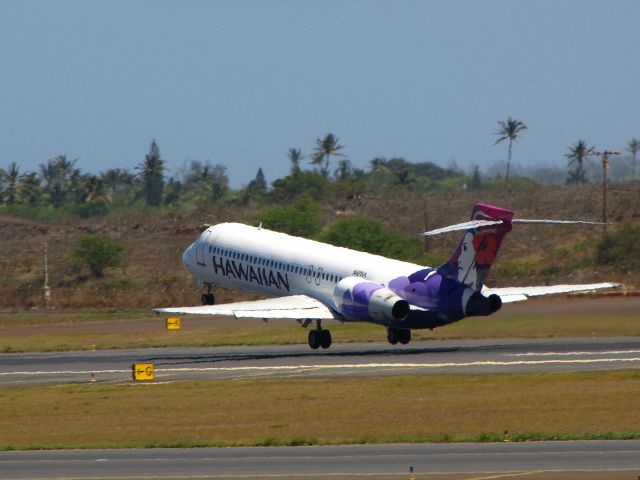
column 419, row 358
column 356, row 460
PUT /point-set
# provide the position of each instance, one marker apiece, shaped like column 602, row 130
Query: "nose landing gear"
column 208, row 298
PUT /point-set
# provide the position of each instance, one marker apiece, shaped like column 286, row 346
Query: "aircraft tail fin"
column 477, row 250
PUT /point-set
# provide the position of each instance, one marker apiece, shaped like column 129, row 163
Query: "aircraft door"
column 310, row 273
column 202, row 243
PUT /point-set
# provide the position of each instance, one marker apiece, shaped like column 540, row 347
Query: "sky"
column 241, row 82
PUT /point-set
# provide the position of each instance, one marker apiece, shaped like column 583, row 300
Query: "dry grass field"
column 323, row 411
column 152, row 273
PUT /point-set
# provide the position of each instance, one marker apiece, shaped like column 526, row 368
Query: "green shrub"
column 302, row 183
column 302, row 219
column 94, row 209
column 364, row 234
column 97, row 253
column 620, row 249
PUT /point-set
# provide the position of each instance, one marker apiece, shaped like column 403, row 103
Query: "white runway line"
column 354, row 366
column 399, row 365
column 65, row 372
column 568, row 354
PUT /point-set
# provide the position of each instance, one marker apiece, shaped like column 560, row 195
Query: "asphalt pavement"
column 346, row 360
column 356, row 460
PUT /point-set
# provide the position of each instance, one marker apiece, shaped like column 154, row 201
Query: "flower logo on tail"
column 486, row 248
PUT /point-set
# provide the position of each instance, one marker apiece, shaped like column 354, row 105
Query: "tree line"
column 59, row 183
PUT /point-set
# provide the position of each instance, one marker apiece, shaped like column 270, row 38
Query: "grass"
column 323, row 411
column 43, row 317
column 81, row 330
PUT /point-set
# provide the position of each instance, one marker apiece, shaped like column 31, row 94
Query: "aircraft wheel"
column 314, row 339
column 405, row 336
column 392, row 335
column 208, row 299
column 325, row 338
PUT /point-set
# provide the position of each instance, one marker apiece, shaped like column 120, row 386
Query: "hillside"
column 153, row 240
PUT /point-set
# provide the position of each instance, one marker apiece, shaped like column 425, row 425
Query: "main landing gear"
column 208, row 298
column 319, row 337
column 395, row 335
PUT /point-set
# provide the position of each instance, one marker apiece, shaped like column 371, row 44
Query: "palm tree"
column 344, row 170
column 10, row 180
column 94, row 189
column 116, row 179
column 327, row 147
column 30, row 190
column 634, row 147
column 509, row 130
column 578, row 153
column 295, row 156
column 57, row 175
column 152, row 175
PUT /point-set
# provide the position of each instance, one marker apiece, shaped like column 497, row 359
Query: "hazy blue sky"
column 240, row 82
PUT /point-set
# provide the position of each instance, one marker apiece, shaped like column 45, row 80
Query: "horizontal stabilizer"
column 292, row 307
column 552, row 222
column 517, row 294
column 462, row 226
column 485, row 223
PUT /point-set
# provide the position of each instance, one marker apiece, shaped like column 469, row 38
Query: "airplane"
column 311, row 281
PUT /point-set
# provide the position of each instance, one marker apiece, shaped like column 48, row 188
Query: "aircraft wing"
column 518, row 294
column 292, row 307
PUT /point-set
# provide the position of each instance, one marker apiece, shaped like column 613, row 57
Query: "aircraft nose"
column 189, row 256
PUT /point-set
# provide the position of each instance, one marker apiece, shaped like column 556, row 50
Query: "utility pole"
column 46, row 289
column 605, row 173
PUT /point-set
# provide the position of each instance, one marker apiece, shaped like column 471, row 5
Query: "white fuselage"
column 274, row 264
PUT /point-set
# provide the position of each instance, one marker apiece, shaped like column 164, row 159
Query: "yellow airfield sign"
column 174, row 323
column 143, row 372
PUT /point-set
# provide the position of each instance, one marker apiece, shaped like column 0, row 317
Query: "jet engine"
column 364, row 300
column 479, row 305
